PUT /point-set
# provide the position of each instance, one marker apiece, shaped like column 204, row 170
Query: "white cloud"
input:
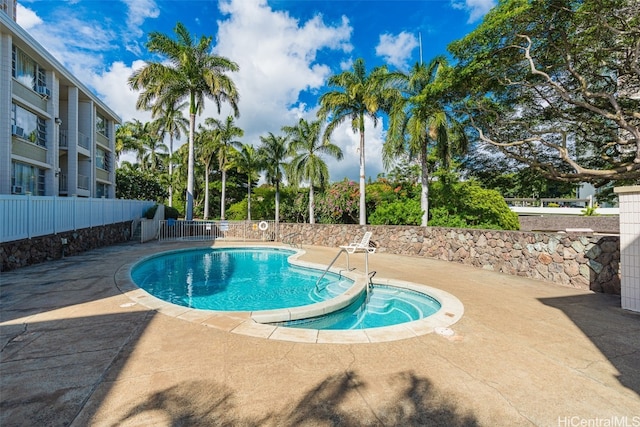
column 123, row 100
column 27, row 18
column 396, row 50
column 277, row 58
column 138, row 12
column 476, row 8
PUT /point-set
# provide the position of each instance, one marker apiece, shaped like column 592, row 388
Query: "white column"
column 5, row 114
column 629, row 201
column 72, row 139
column 50, row 178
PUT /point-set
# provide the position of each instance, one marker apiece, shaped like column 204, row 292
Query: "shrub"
column 473, row 206
column 171, row 213
column 151, row 212
column 339, row 204
column 407, row 212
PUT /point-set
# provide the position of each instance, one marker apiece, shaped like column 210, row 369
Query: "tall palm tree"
column 307, row 164
column 171, row 122
column 274, row 150
column 418, row 119
column 207, row 142
column 192, row 72
column 357, row 95
column 248, row 161
column 226, row 143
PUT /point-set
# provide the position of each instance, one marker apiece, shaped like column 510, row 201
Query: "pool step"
column 330, row 290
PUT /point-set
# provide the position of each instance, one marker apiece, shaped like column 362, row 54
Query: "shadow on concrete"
column 55, row 345
column 57, row 284
column 413, row 403
column 50, row 369
column 614, row 331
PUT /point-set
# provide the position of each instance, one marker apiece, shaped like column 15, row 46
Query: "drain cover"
column 445, row 332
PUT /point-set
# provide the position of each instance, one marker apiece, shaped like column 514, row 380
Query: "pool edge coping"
column 244, row 323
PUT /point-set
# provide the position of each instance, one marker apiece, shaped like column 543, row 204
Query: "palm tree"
column 307, row 164
column 357, row 96
column 170, row 122
column 192, row 72
column 207, row 142
column 152, row 144
column 248, row 161
column 418, row 118
column 227, row 131
column 126, row 140
column 274, row 151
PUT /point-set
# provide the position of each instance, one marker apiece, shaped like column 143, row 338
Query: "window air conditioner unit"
column 16, row 189
column 43, row 91
column 17, row 131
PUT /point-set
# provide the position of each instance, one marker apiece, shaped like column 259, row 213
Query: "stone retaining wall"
column 552, row 223
column 20, row 253
column 577, row 260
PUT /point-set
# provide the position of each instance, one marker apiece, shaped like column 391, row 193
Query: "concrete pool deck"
column 77, row 351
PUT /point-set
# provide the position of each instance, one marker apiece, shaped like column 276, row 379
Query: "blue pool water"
column 383, row 306
column 254, row 279
column 245, row 279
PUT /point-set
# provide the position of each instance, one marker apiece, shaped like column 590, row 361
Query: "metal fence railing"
column 211, row 230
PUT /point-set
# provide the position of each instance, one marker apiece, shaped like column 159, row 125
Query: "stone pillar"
column 629, row 201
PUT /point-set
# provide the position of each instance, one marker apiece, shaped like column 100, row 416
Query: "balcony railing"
column 83, row 140
column 63, row 141
column 83, row 182
column 63, row 183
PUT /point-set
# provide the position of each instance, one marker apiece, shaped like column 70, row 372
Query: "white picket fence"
column 24, row 217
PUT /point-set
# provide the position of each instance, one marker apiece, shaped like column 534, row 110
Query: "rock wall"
column 20, row 253
column 553, row 223
column 578, row 260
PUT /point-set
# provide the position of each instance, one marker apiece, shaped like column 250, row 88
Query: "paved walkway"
column 77, row 351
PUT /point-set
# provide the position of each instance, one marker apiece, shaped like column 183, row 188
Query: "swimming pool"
column 235, row 279
column 340, row 296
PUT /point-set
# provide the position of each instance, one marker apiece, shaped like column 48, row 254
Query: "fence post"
column 55, row 216
column 29, row 215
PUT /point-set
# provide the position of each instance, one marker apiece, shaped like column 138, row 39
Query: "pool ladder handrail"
column 331, row 264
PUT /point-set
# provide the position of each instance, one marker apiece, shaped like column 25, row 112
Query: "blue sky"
column 286, row 50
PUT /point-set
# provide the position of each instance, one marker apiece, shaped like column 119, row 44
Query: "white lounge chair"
column 362, row 246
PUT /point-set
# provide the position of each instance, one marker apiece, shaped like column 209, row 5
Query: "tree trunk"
column 170, row 170
column 312, row 215
column 223, row 194
column 206, row 192
column 424, row 183
column 363, row 205
column 189, row 201
column 249, row 200
column 277, row 206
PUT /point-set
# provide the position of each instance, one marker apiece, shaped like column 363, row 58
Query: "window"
column 26, row 179
column 103, row 159
column 102, row 190
column 26, row 70
column 29, row 126
column 101, row 125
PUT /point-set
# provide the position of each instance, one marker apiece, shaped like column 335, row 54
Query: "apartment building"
column 56, row 137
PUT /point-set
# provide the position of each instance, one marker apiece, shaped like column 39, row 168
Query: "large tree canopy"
column 555, row 84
